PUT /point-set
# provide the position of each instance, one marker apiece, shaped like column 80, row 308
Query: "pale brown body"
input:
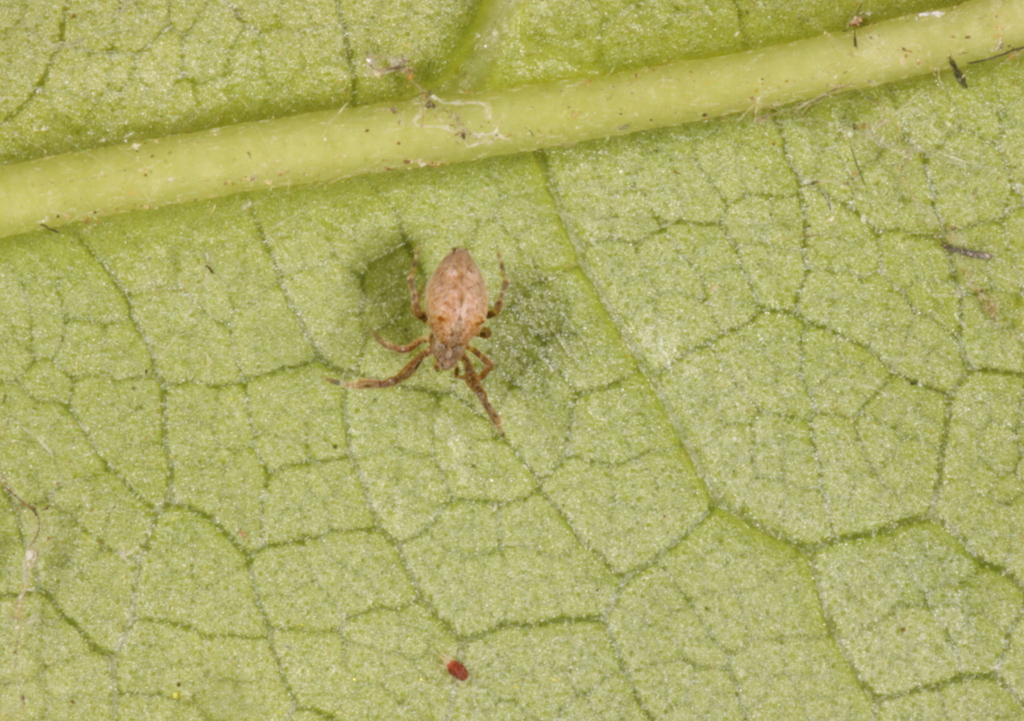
column 456, row 300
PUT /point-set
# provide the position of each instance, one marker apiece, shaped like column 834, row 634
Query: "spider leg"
column 400, row 348
column 488, row 363
column 501, row 294
column 414, row 294
column 394, row 380
column 473, row 381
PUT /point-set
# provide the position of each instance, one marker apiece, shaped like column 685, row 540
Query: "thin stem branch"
column 429, row 130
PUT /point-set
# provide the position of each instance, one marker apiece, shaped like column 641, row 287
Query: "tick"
column 456, row 301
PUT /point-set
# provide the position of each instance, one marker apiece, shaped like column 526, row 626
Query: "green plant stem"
column 427, row 130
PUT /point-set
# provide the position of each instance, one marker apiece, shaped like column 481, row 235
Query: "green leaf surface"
column 761, row 377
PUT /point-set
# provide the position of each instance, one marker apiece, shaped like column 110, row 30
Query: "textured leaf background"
column 764, row 433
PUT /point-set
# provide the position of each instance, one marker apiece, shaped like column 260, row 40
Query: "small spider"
column 456, row 301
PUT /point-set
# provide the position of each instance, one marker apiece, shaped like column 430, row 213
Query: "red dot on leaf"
column 456, row 669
